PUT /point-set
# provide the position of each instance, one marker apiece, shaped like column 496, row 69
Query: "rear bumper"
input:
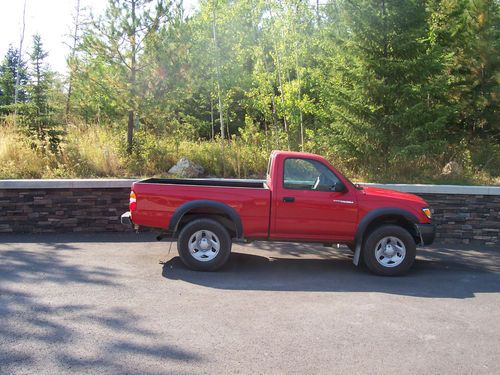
column 126, row 219
column 427, row 233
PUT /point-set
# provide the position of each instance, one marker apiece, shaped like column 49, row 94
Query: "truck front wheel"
column 204, row 245
column 389, row 250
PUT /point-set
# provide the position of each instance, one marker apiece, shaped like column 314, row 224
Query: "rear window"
column 269, row 166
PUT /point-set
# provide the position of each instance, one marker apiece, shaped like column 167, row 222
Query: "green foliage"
column 10, row 69
column 111, row 58
column 387, row 90
column 38, row 115
column 467, row 32
column 384, row 96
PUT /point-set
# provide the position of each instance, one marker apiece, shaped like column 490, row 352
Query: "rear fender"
column 206, row 204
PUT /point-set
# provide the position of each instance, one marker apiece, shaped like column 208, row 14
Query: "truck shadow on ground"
column 438, row 272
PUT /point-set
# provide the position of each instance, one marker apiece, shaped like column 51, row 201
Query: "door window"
column 308, row 174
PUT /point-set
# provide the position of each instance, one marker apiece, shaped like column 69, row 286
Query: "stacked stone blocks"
column 460, row 218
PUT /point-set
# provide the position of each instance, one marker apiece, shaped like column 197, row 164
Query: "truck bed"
column 223, row 182
column 158, row 198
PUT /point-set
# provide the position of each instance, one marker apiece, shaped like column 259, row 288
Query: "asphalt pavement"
column 125, row 304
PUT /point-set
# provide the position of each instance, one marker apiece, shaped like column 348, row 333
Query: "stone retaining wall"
column 463, row 214
column 466, row 218
column 63, row 210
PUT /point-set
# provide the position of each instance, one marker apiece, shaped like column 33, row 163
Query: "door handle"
column 343, row 201
column 288, row 199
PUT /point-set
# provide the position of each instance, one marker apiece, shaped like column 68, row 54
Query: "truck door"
column 306, row 205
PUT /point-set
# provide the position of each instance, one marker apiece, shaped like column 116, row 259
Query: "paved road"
column 122, row 303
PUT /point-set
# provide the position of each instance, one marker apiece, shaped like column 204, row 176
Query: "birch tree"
column 217, row 80
column 18, row 69
column 72, row 61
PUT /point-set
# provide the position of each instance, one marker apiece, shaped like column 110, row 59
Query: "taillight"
column 132, row 201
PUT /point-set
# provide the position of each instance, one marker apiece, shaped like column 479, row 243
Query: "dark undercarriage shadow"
column 437, row 273
column 78, row 237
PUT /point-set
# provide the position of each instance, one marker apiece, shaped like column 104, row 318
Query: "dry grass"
column 18, row 159
column 91, row 152
column 97, row 151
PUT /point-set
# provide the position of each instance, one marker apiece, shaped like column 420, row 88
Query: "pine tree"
column 39, row 122
column 8, row 75
column 384, row 92
column 39, row 86
column 468, row 33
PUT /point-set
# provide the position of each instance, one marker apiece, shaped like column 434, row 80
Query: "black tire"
column 224, row 241
column 401, row 264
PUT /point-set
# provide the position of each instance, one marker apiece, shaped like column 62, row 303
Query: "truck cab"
column 308, row 193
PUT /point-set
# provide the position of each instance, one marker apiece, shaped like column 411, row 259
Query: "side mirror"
column 339, row 187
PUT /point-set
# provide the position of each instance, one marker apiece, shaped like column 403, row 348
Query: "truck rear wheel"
column 204, row 245
column 389, row 250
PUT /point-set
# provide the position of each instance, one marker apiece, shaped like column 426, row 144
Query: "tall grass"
column 19, row 160
column 90, row 151
column 97, row 151
column 154, row 155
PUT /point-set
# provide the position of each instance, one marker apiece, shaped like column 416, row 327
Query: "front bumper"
column 126, row 219
column 427, row 233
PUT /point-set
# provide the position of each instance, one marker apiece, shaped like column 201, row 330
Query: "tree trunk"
column 130, row 131
column 16, row 88
column 282, row 95
column 275, row 122
column 133, row 72
column 297, row 68
column 266, row 135
column 280, row 86
column 228, row 133
column 212, row 116
column 75, row 39
column 318, row 19
column 221, row 116
column 273, row 104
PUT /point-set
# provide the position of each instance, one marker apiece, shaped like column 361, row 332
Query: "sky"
column 52, row 19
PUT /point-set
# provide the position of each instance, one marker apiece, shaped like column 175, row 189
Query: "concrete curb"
column 99, row 183
column 110, row 183
column 439, row 189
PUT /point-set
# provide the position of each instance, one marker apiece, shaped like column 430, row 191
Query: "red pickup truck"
column 303, row 199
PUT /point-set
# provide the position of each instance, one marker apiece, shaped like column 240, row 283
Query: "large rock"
column 186, row 168
column 452, row 169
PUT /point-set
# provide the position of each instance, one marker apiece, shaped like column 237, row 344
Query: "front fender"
column 374, row 215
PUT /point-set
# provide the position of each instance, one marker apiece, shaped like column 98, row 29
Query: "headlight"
column 427, row 212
